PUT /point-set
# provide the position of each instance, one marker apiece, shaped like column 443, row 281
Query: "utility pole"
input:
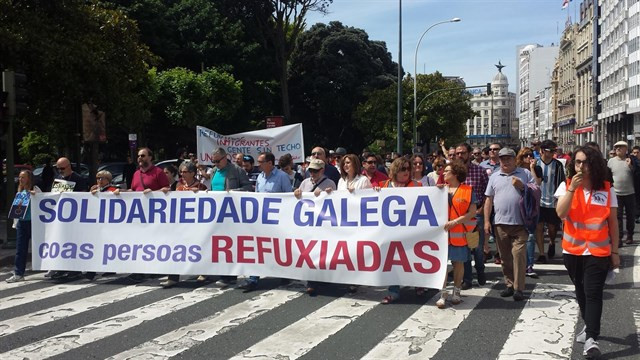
column 399, row 143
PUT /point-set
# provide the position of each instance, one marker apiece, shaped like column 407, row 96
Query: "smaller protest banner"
column 279, row 141
column 19, row 206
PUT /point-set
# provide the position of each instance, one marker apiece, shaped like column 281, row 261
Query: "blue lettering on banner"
column 136, row 212
column 328, row 213
column 365, row 211
column 83, row 212
column 297, row 211
column 186, row 208
column 153, row 210
column 47, row 210
column 112, row 210
column 423, row 202
column 244, row 205
column 202, row 211
column 228, row 209
column 267, row 209
column 288, row 147
column 344, row 221
column 386, row 211
column 72, row 211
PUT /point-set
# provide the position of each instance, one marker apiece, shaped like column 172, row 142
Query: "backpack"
column 530, row 206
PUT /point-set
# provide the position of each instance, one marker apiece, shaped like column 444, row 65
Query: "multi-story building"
column 566, row 61
column 633, row 107
column 584, row 101
column 616, row 116
column 535, row 64
column 495, row 114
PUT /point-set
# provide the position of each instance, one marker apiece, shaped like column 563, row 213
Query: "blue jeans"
column 477, row 253
column 531, row 249
column 23, row 237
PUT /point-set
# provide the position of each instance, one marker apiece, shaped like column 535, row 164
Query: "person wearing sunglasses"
column 588, row 206
column 370, row 170
column 420, row 171
column 399, row 177
column 330, row 171
column 227, row 175
column 148, row 177
column 493, row 163
column 67, row 180
column 476, row 156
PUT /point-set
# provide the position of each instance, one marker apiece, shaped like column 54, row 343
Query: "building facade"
column 583, row 131
column 566, row 61
column 495, row 119
column 535, row 65
column 614, row 78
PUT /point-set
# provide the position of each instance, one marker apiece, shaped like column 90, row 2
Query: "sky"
column 490, row 31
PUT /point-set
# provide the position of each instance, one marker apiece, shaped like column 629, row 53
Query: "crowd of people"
column 495, row 196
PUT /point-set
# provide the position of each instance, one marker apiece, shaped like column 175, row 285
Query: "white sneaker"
column 582, row 335
column 455, row 299
column 15, row 278
column 168, row 283
column 591, row 349
column 201, row 278
column 442, row 302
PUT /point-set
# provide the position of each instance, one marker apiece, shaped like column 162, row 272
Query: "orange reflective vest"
column 459, row 206
column 586, row 225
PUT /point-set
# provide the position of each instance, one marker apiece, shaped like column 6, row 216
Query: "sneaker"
column 591, row 349
column 442, row 302
column 506, row 292
column 15, row 278
column 455, row 299
column 223, row 282
column 530, row 272
column 582, row 335
column 541, row 260
column 518, row 296
column 49, row 273
column 248, row 285
column 201, row 278
column 466, row 285
column 168, row 283
column 482, row 278
column 551, row 252
column 352, row 289
column 89, row 276
column 58, row 275
column 492, row 239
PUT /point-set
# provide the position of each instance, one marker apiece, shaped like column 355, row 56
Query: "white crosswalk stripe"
column 542, row 327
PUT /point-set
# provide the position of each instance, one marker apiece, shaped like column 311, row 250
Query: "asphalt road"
column 108, row 317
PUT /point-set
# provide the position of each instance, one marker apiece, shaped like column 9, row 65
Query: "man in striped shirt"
column 549, row 174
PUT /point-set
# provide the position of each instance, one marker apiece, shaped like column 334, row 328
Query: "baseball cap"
column 316, row 164
column 506, row 152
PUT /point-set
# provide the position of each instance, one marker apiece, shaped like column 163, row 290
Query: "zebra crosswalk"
column 108, row 318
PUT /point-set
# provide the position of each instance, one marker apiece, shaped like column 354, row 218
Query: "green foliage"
column 442, row 115
column 74, row 52
column 187, row 99
column 332, row 70
column 34, row 143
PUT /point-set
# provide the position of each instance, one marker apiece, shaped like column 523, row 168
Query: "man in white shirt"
column 623, row 168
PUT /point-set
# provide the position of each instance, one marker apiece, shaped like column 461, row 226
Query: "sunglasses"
column 370, row 162
column 528, row 155
column 494, row 149
column 549, row 150
column 316, row 153
column 99, row 178
column 61, row 168
column 142, row 155
column 217, row 161
column 314, row 170
column 417, row 164
column 405, row 168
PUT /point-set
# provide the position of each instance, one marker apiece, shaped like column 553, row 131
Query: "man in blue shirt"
column 270, row 180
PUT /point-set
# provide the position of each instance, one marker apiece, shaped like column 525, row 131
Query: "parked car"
column 163, row 164
column 84, row 171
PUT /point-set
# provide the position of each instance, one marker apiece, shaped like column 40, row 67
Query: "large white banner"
column 279, row 141
column 391, row 237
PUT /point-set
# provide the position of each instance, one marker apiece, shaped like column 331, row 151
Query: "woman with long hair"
column 462, row 208
column 399, row 176
column 419, row 172
column 26, row 188
column 588, row 206
column 351, row 177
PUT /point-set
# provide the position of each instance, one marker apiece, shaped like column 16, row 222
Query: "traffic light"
column 489, row 89
column 15, row 85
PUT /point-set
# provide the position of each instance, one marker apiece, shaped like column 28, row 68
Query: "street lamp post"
column 415, row 79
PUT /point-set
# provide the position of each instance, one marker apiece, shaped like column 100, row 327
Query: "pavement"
column 6, row 255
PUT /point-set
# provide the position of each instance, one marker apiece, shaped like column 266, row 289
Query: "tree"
column 183, row 99
column 332, row 70
column 281, row 22
column 75, row 52
column 442, row 115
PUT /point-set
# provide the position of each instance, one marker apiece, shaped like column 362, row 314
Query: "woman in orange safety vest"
column 588, row 206
column 462, row 208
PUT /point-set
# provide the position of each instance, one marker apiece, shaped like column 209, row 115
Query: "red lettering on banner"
column 375, row 251
column 287, row 249
column 396, row 246
column 242, row 249
column 216, row 249
column 341, row 248
column 261, row 249
column 323, row 254
column 304, row 253
column 435, row 262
